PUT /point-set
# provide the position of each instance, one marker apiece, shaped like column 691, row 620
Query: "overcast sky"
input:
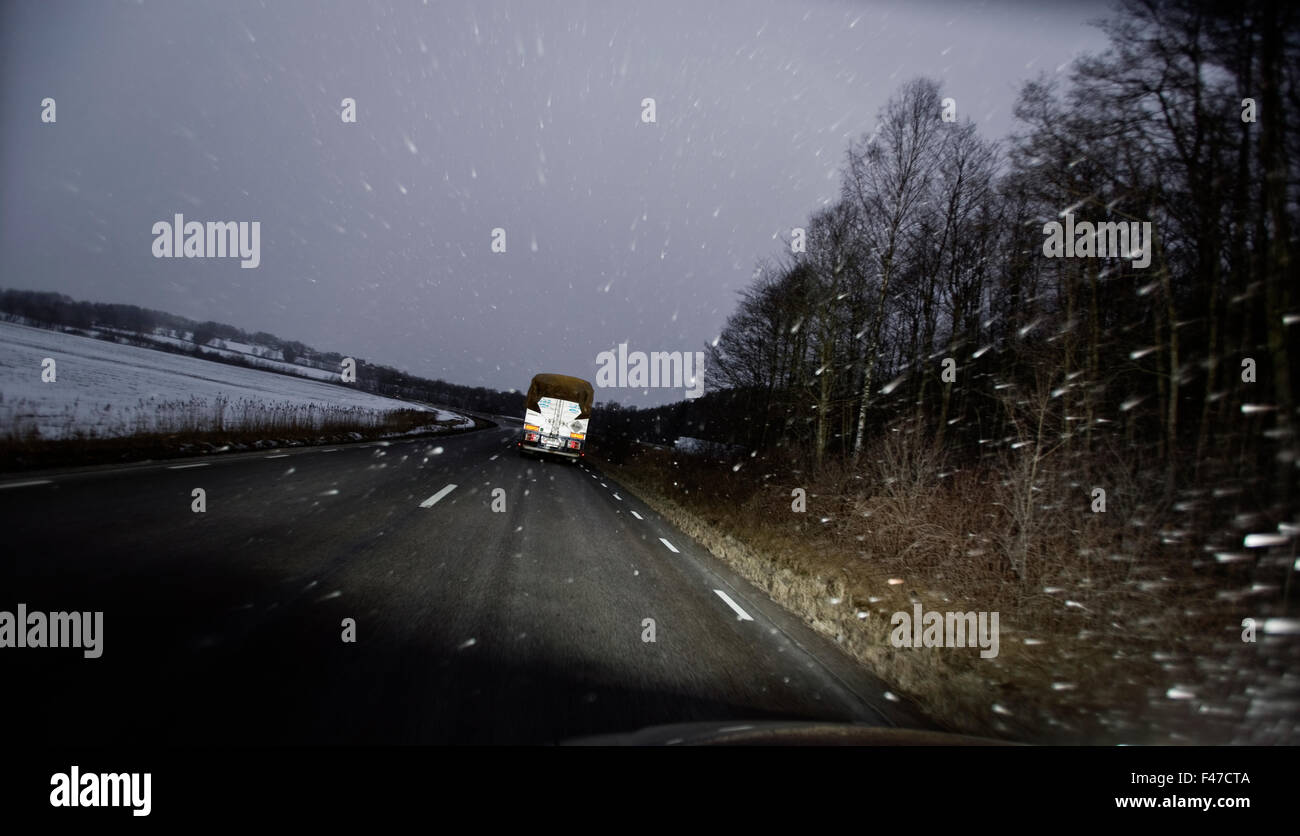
column 376, row 236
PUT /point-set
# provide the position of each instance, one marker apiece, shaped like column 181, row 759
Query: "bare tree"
column 887, row 177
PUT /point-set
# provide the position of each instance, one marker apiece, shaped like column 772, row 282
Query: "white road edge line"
column 619, row 498
column 635, row 514
column 279, row 456
column 27, row 484
column 741, row 615
column 494, row 457
column 670, row 546
column 184, row 466
column 428, row 503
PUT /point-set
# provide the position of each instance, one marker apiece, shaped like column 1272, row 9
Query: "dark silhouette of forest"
column 924, row 296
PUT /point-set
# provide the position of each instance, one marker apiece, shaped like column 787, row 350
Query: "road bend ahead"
column 471, row 625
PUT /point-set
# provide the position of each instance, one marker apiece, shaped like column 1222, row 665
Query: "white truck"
column 556, row 412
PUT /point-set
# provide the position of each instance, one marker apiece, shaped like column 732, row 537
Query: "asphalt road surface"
column 471, row 625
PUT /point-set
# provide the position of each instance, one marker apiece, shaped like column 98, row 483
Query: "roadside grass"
column 195, row 426
column 1112, row 629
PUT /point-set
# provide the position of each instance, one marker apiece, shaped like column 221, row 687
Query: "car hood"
column 767, row 733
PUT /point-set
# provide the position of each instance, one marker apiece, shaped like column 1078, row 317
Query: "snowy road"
column 471, row 625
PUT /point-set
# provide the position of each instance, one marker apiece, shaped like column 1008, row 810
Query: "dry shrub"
column 1101, row 614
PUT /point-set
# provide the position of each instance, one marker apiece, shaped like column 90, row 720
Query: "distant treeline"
column 58, row 310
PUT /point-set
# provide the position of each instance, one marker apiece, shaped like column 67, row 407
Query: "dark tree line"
column 932, row 262
column 60, row 310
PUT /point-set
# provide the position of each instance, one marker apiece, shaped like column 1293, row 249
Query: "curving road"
column 472, row 625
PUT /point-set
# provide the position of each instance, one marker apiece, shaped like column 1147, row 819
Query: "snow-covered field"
column 106, row 389
column 247, row 353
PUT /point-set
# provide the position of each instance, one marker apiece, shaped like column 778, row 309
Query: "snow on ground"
column 444, row 415
column 105, row 388
column 249, row 356
column 700, row 447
